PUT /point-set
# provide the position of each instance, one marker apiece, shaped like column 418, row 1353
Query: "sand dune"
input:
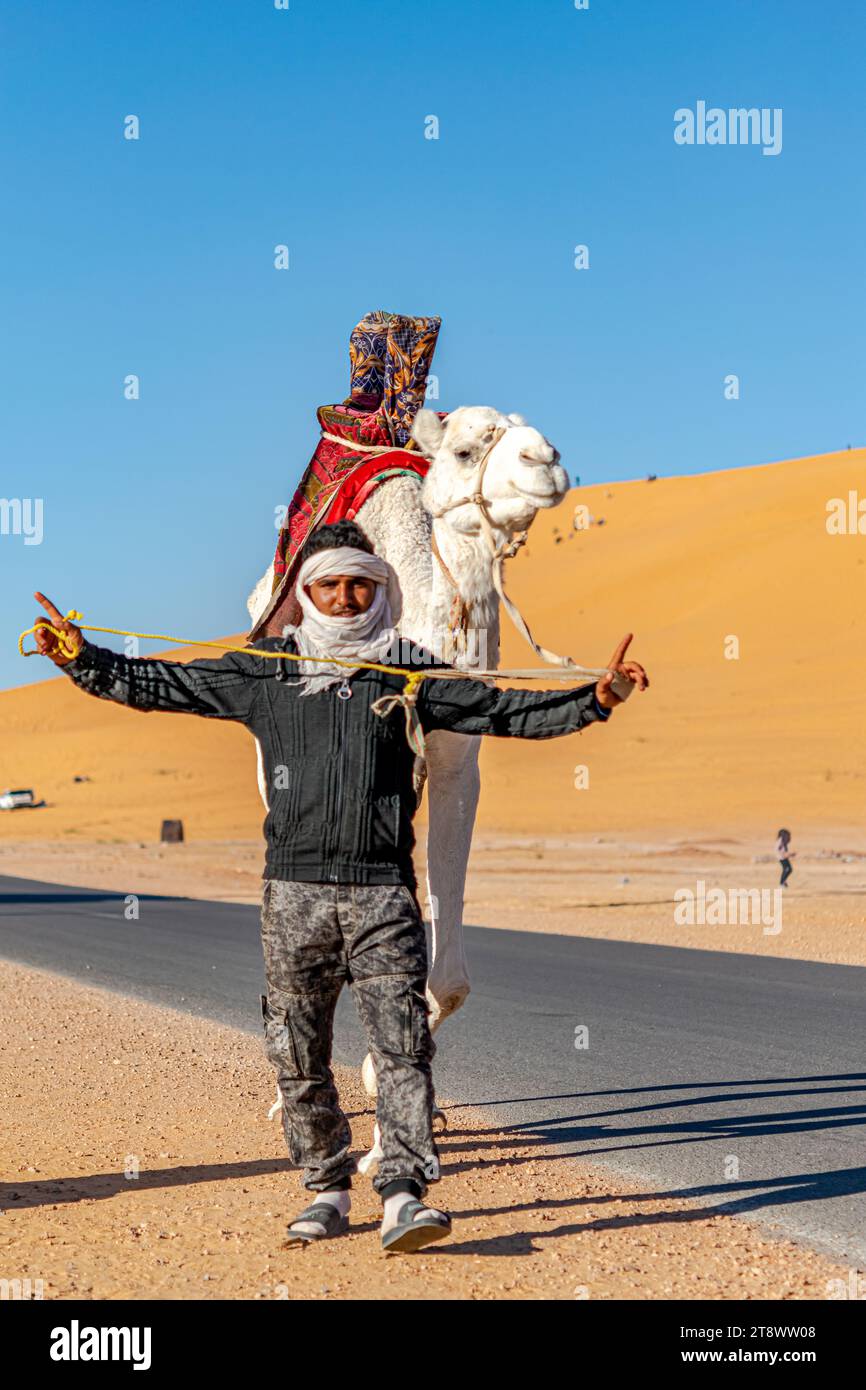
column 773, row 736
column 686, row 563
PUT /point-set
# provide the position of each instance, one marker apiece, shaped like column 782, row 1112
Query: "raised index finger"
column 52, row 612
column 621, row 650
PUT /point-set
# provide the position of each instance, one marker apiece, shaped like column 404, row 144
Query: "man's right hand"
column 46, row 642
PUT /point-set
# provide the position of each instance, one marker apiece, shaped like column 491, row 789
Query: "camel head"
column 522, row 474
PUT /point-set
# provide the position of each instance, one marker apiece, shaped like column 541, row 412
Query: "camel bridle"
column 498, row 554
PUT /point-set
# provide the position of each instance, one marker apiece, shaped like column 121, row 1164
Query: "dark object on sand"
column 81, row 778
column 19, row 800
column 171, row 832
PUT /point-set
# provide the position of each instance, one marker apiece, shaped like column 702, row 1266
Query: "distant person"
column 785, row 855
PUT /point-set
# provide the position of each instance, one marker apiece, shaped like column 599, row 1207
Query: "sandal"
column 325, row 1216
column 409, row 1235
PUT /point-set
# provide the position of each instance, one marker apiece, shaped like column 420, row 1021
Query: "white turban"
column 366, row 636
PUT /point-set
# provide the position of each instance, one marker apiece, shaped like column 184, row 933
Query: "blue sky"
column 261, row 126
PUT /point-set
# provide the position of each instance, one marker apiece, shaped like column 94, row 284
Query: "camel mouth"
column 550, row 494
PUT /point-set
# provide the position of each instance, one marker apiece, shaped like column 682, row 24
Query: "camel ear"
column 516, row 419
column 428, row 430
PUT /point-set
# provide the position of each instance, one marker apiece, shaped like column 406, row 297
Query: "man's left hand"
column 617, row 666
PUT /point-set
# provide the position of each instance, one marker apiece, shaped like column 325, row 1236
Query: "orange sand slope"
column 687, row 564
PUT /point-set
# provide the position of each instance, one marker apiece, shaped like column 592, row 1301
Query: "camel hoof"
column 368, row 1076
column 440, row 1119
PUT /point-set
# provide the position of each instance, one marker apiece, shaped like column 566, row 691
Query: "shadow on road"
column 656, row 1122
column 768, row 1192
column 665, row 1086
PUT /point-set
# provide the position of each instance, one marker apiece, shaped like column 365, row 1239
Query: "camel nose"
column 540, row 457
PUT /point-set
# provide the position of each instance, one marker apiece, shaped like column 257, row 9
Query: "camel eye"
column 463, row 454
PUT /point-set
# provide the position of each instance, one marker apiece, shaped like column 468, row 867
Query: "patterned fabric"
column 316, row 937
column 368, row 345
column 410, row 347
column 390, row 357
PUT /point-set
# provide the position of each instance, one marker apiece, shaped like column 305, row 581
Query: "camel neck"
column 462, row 594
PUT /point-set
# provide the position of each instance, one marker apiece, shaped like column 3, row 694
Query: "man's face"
column 342, row 595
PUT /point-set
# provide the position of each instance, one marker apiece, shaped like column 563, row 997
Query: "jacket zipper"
column 342, row 742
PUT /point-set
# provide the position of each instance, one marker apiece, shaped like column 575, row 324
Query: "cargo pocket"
column 410, row 899
column 417, row 1040
column 281, row 1045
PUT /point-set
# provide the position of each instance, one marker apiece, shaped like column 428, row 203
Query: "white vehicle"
column 9, row 801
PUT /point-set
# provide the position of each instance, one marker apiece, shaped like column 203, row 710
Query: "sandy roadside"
column 615, row 886
column 139, row 1162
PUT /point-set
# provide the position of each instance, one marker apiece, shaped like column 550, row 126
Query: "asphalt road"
column 731, row 1079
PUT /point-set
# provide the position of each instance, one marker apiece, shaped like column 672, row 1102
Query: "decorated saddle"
column 365, row 440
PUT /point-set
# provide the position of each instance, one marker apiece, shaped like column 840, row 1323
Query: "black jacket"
column 339, row 777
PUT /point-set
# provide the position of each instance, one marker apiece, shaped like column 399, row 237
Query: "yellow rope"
column 413, row 677
column 383, row 706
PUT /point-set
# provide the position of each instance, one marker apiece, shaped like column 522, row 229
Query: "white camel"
column 489, row 476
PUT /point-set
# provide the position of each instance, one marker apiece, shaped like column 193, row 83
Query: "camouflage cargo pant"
column 316, row 937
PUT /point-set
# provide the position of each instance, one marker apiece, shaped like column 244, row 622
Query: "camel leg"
column 453, row 786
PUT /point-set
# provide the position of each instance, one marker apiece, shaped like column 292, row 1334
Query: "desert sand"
column 165, row 1179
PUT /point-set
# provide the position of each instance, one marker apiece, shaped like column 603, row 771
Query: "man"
column 339, row 902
